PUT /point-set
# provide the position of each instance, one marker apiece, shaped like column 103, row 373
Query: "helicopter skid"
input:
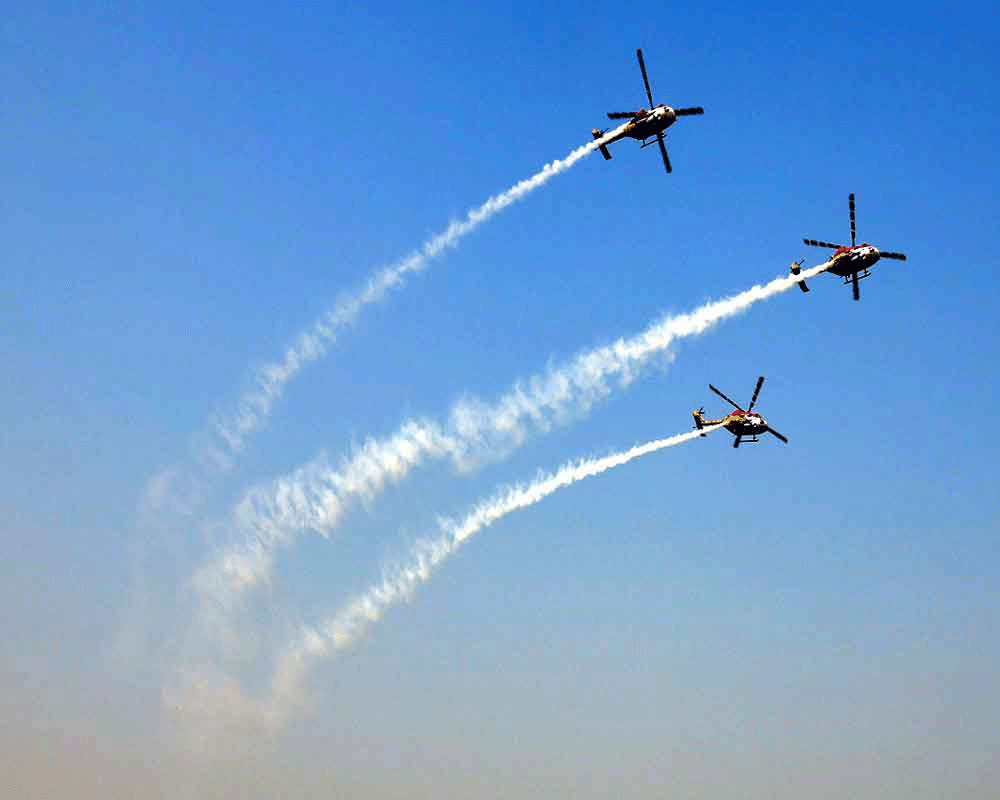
column 848, row 279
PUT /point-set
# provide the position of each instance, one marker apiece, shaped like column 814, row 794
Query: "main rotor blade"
column 854, row 286
column 773, row 432
column 724, row 397
column 663, row 152
column 756, row 391
column 739, row 439
column 645, row 80
column 688, row 112
column 888, row 254
column 816, row 243
column 621, row 115
column 850, row 202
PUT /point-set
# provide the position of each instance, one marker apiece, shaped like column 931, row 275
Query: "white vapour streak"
column 255, row 406
column 342, row 631
column 229, row 431
column 175, row 491
column 315, row 496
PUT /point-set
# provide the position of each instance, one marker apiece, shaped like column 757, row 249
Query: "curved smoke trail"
column 316, row 496
column 229, row 431
column 345, row 628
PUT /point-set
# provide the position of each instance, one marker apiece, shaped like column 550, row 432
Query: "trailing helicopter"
column 647, row 125
column 849, row 262
column 745, row 425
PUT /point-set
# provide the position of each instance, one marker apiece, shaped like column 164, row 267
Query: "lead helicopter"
column 647, row 125
column 849, row 262
column 745, row 425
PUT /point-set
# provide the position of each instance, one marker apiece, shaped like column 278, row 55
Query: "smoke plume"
column 344, row 629
column 229, row 431
column 315, row 496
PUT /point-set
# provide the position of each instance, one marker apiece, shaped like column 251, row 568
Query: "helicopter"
column 849, row 262
column 647, row 125
column 744, row 425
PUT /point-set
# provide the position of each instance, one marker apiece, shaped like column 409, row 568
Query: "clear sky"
column 186, row 189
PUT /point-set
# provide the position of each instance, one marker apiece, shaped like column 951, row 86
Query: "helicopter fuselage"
column 738, row 423
column 845, row 261
column 744, row 423
column 647, row 124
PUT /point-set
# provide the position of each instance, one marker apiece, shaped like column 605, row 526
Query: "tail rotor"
column 796, row 269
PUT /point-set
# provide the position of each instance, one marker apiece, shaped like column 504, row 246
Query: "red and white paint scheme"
column 851, row 262
column 646, row 126
column 744, row 425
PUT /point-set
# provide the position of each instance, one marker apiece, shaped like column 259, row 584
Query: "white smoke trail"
column 344, row 629
column 254, row 407
column 315, row 496
column 229, row 431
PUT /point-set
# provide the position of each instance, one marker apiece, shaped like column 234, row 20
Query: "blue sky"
column 185, row 190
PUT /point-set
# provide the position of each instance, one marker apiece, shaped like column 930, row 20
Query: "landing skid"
column 848, row 279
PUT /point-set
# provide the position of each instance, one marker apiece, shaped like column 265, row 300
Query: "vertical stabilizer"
column 597, row 134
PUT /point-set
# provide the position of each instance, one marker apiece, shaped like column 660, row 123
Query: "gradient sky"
column 185, row 189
